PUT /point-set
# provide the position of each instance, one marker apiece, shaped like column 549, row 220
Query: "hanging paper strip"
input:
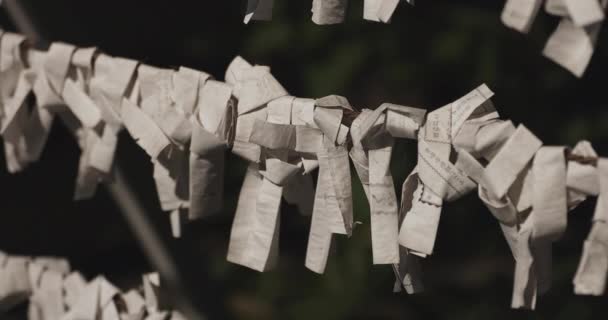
column 56, row 292
column 186, row 121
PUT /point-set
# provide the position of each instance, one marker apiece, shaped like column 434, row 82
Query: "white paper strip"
column 258, row 88
column 511, row 160
column 328, row 11
column 47, row 300
column 332, row 211
column 81, row 105
column 15, row 285
column 244, row 216
column 590, row 278
column 383, row 207
column 74, row 285
column 584, row 12
column 520, row 14
column 525, row 288
column 556, row 7
column 572, row 47
column 379, row 10
column 57, row 65
column 186, row 83
column 373, row 168
column 110, row 84
column 421, row 219
column 550, row 203
column 207, row 159
column 143, row 130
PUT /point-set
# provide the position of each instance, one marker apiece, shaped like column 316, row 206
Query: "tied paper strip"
column 105, row 81
column 504, row 193
column 328, row 11
column 171, row 172
column 550, row 207
column 371, row 154
column 95, row 302
column 379, row 10
column 333, row 11
column 572, row 47
column 155, row 301
column 332, row 211
column 590, row 278
column 208, row 147
column 520, row 14
column 23, row 132
column 503, row 186
column 91, row 115
column 157, row 108
column 372, row 133
column 47, row 300
column 254, row 87
column 439, row 179
column 573, row 42
column 373, row 168
column 15, row 285
column 254, row 236
column 57, row 293
column 96, row 140
column 256, row 246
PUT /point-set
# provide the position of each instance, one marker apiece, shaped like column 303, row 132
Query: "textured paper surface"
column 81, row 105
column 408, row 272
column 207, row 159
column 207, row 148
column 419, row 226
column 258, row 88
column 47, row 300
column 328, row 11
column 520, row 14
column 261, row 245
column 550, row 198
column 525, row 286
column 572, row 47
column 590, row 278
column 511, row 160
column 332, row 211
column 379, row 10
column 584, row 12
column 185, row 122
column 244, row 216
column 143, row 130
column 15, row 285
column 383, row 207
column 373, row 168
column 556, row 7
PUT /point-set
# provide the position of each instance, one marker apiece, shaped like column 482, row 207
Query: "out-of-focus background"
column 428, row 56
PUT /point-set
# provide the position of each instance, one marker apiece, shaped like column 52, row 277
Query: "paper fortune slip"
column 185, row 121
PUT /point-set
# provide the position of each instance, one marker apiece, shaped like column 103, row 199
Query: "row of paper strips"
column 56, row 292
column 328, row 11
column 185, row 121
column 571, row 45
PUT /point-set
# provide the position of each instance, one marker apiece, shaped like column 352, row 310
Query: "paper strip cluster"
column 571, row 45
column 326, row 12
column 185, row 121
column 56, row 292
column 573, row 42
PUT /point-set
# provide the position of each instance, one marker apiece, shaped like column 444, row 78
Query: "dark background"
column 429, row 55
